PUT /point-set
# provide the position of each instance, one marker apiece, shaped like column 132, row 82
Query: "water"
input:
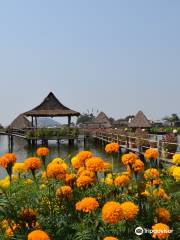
column 22, row 151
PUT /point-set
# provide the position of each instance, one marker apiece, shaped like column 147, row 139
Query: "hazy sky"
column 112, row 55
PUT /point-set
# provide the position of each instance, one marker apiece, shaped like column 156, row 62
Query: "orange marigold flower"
column 138, row 166
column 87, row 205
column 163, row 215
column 151, row 173
column 107, row 166
column 121, row 180
column 95, row 164
column 129, row 158
column 112, row 148
column 32, row 163
column 151, row 153
column 42, row 151
column 7, row 160
column 64, row 191
column 76, row 163
column 88, row 173
column 112, row 212
column 58, row 160
column 56, row 171
column 160, row 231
column 130, row 210
column 70, row 179
column 156, row 182
column 83, row 155
column 38, row 235
column 110, row 238
column 84, row 181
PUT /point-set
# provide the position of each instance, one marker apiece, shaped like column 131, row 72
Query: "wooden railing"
column 129, row 142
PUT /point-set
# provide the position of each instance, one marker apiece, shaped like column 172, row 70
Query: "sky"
column 116, row 56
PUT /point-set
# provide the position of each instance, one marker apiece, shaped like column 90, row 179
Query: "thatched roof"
column 51, row 107
column 102, row 120
column 140, row 121
column 21, row 122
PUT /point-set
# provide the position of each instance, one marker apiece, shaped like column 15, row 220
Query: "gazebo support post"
column 32, row 122
column 36, row 122
column 69, row 121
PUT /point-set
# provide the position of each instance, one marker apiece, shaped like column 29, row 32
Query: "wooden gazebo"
column 51, row 107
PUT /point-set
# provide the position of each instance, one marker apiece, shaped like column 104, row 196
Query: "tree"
column 173, row 119
column 85, row 117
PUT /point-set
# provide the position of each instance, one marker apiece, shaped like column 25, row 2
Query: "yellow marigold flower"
column 95, row 164
column 19, row 168
column 108, row 181
column 176, row 173
column 83, row 155
column 84, row 181
column 110, row 238
column 64, row 191
column 171, row 169
column 76, row 163
column 87, row 205
column 161, row 231
column 145, row 194
column 109, row 175
column 176, row 158
column 56, row 171
column 38, row 235
column 122, row 180
column 151, row 153
column 151, row 173
column 129, row 158
column 32, row 163
column 42, row 151
column 7, row 160
column 112, row 212
column 130, row 210
column 163, row 215
column 58, row 160
column 28, row 181
column 112, row 148
column 160, row 193
column 138, row 166
column 4, row 184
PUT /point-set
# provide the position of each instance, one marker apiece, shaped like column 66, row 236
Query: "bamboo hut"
column 51, row 107
column 139, row 121
column 21, row 122
column 101, row 121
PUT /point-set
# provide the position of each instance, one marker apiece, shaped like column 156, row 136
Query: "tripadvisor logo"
column 139, row 231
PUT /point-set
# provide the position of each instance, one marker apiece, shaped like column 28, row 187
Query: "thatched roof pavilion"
column 140, row 121
column 51, row 107
column 102, row 120
column 21, row 122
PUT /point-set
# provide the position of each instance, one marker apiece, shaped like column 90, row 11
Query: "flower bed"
column 42, row 200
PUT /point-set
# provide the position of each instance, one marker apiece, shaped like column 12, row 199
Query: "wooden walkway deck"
column 125, row 143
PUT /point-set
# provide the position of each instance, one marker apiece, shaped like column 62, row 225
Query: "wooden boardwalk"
column 124, row 142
